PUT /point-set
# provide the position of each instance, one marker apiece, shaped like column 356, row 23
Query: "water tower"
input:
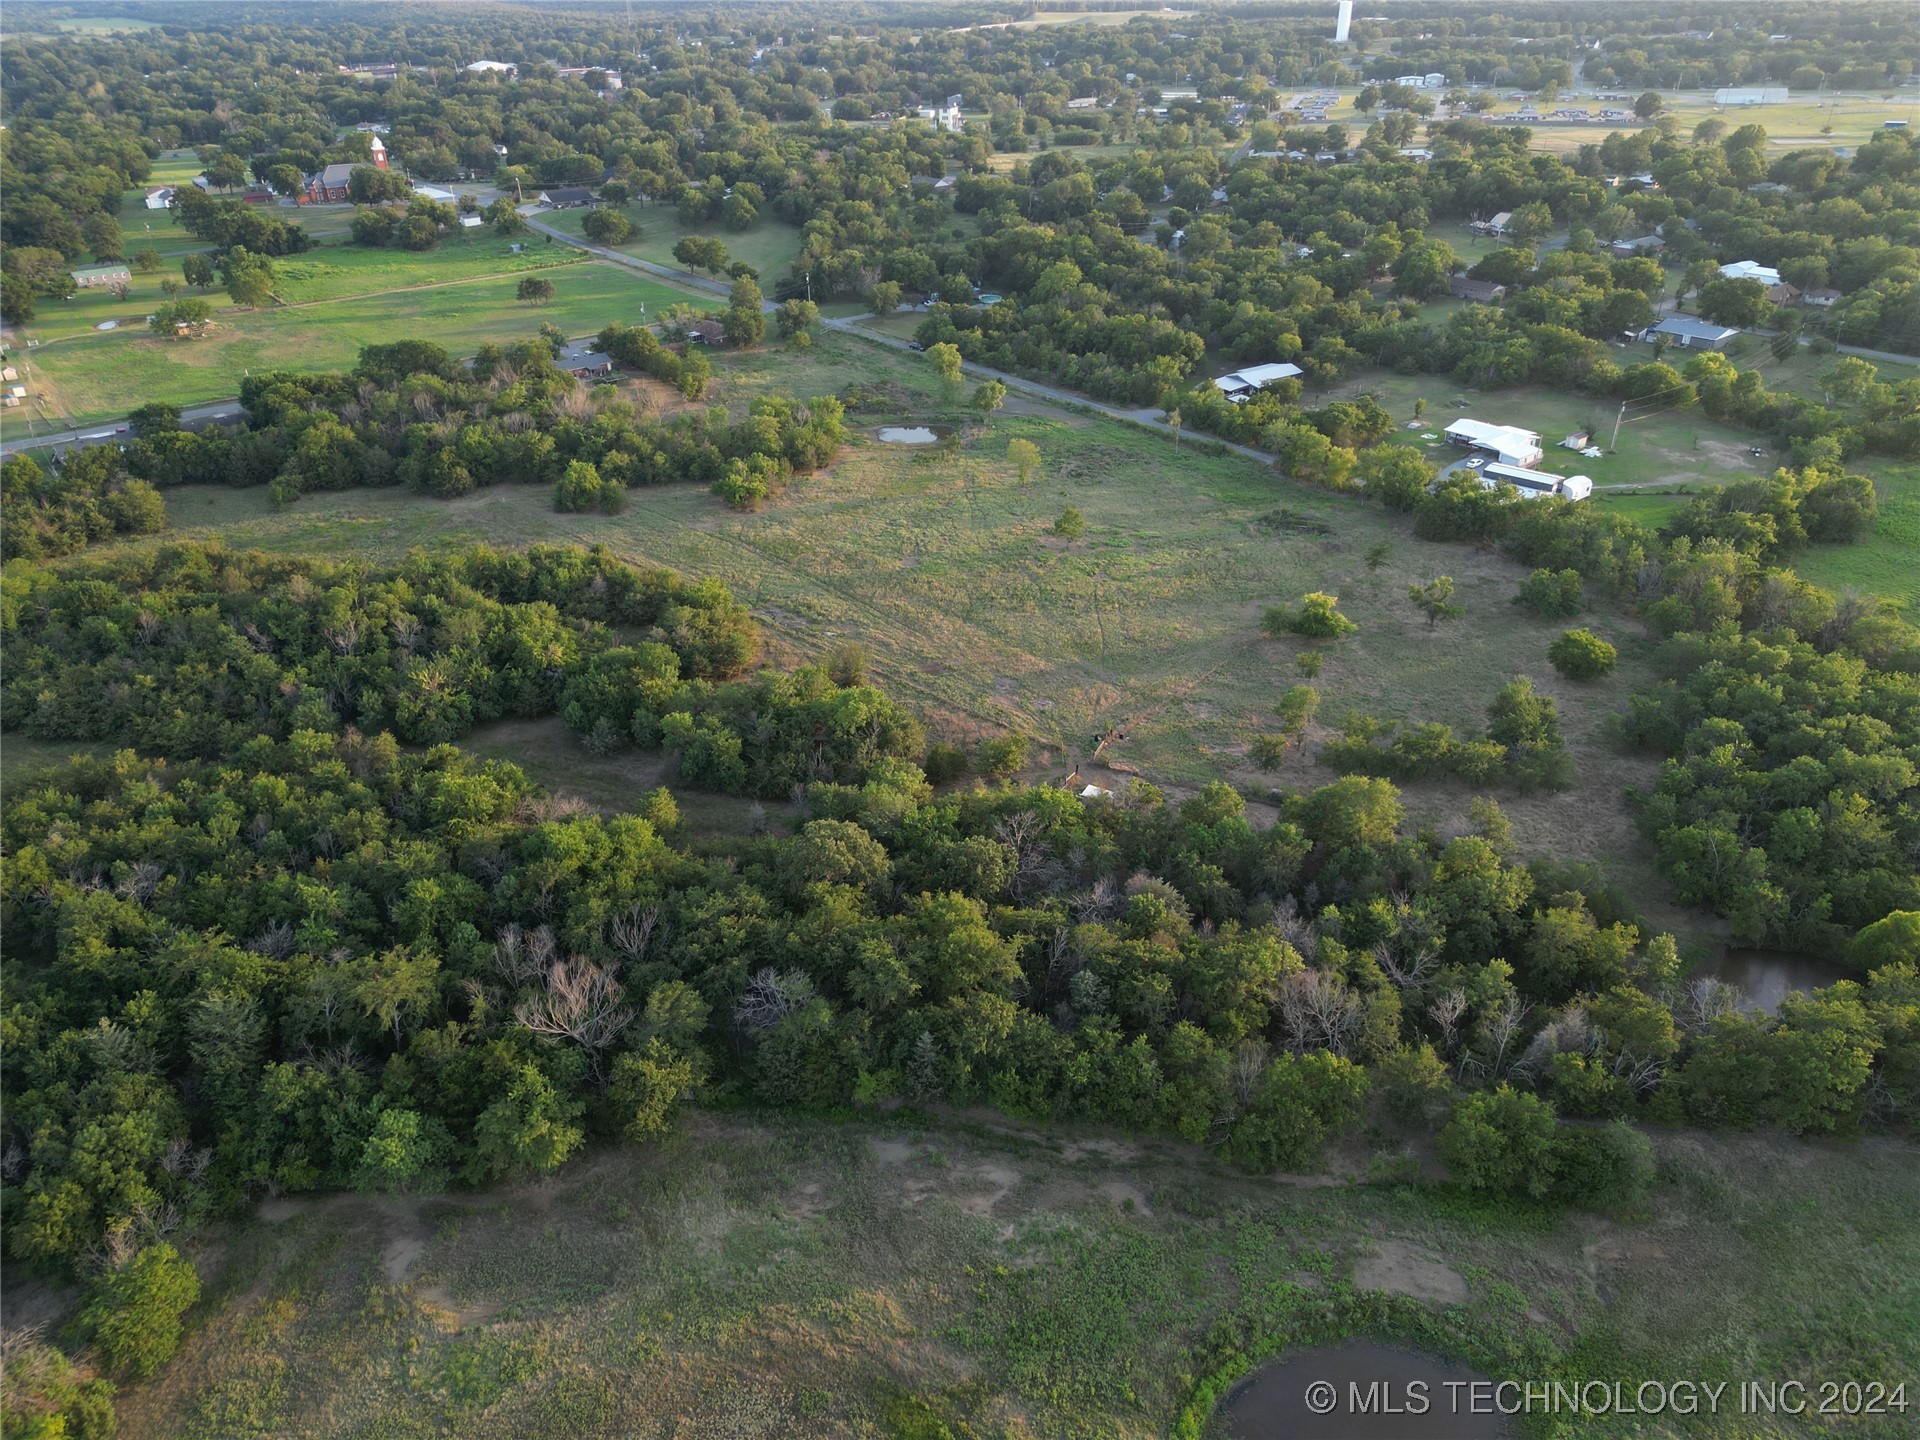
column 1343, row 22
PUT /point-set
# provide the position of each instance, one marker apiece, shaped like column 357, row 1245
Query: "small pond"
column 1287, row 1399
column 912, row 434
column 1767, row 977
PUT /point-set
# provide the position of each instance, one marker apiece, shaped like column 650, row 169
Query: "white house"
column 1749, row 270
column 1534, row 484
column 944, row 117
column 161, row 198
column 1512, row 445
column 1242, row 384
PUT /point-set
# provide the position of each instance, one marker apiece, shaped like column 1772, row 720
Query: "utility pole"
column 1614, row 444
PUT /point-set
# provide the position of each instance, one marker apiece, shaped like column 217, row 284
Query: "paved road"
column 1151, row 418
column 686, row 280
column 111, row 429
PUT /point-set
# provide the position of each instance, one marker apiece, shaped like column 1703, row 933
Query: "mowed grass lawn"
column 770, row 246
column 100, row 376
column 944, row 567
column 329, row 272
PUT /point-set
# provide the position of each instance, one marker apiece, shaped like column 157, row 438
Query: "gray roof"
column 334, row 176
column 1686, row 327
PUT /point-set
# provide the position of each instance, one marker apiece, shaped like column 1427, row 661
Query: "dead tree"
column 581, row 1003
column 772, row 995
column 1319, row 1012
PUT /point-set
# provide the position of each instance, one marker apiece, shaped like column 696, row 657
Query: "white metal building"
column 1512, row 445
column 1243, row 383
column 1536, row 483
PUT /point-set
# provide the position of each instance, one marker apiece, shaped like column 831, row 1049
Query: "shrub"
column 1582, row 655
column 1318, row 618
column 1071, row 525
column 1001, row 756
column 1603, row 1167
column 1552, row 594
column 1301, row 1100
column 944, row 763
column 135, row 1310
column 1502, row 1141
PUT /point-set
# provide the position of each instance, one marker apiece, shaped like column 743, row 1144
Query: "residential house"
column 1084, row 102
column 493, row 67
column 160, row 198
column 1689, row 333
column 1750, row 270
column 707, row 332
column 944, row 117
column 1507, row 443
column 1497, row 225
column 1638, row 245
column 585, row 364
column 1821, row 298
column 567, row 197
column 1479, row 292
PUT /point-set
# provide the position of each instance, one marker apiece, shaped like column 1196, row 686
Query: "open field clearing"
column 95, row 377
column 768, row 245
column 894, row 1277
column 944, row 567
column 1806, row 121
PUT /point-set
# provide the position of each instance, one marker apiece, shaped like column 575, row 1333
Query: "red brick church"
column 329, row 187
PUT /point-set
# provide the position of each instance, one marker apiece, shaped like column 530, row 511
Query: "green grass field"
column 92, row 377
column 896, row 1277
column 769, row 246
column 330, row 272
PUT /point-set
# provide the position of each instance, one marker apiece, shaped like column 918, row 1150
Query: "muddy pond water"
column 1767, row 977
column 1377, row 1393
column 912, row 434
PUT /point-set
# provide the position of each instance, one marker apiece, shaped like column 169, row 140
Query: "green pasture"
column 96, row 376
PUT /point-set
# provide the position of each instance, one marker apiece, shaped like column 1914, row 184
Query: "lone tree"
column 946, row 361
column 1436, row 599
column 1071, row 525
column 535, row 290
column 989, row 397
column 703, row 252
column 607, row 227
column 185, row 318
column 1025, row 456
